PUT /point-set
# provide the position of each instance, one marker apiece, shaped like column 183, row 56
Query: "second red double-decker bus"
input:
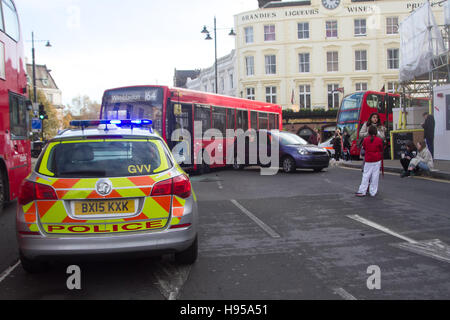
column 174, row 108
column 15, row 157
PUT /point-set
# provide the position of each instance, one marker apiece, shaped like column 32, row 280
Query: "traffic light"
column 42, row 114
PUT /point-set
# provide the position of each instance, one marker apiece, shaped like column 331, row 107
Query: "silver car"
column 106, row 190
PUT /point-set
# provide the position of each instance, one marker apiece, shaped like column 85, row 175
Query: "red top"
column 373, row 150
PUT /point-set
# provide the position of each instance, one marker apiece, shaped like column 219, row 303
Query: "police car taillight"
column 179, row 186
column 31, row 191
column 182, row 186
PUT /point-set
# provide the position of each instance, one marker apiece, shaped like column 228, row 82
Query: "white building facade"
column 298, row 54
column 226, row 77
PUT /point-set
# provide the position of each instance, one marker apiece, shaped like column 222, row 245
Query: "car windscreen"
column 291, row 139
column 104, row 158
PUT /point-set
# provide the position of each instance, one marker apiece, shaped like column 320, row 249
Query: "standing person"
column 315, row 137
column 428, row 127
column 374, row 119
column 423, row 161
column 346, row 145
column 373, row 146
column 337, row 144
column 410, row 153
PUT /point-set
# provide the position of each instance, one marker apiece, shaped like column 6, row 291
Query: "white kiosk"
column 442, row 117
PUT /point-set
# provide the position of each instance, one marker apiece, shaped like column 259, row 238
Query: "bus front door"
column 180, row 130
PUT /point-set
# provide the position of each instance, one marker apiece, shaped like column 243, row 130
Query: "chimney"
column 262, row 3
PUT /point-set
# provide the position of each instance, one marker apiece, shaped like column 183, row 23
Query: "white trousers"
column 371, row 175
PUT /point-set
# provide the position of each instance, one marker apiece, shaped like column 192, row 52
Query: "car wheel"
column 188, row 256
column 288, row 165
column 204, row 166
column 32, row 266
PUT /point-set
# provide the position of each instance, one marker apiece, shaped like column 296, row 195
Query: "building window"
column 303, row 59
column 361, row 86
column 305, row 96
column 250, row 65
column 206, row 88
column 303, row 30
column 250, row 93
column 331, row 29
column 392, row 87
column 332, row 61
column 269, row 33
column 271, row 64
column 231, row 81
column 360, row 60
column 392, row 25
column 333, row 96
column 360, row 27
column 271, row 94
column 222, row 84
column 248, row 34
column 392, row 58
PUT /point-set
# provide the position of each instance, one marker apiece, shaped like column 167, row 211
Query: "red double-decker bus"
column 356, row 108
column 193, row 112
column 15, row 157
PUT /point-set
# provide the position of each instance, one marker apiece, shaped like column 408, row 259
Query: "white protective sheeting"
column 420, row 41
column 447, row 12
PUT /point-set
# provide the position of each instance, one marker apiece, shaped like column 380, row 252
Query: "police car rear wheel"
column 32, row 266
column 188, row 256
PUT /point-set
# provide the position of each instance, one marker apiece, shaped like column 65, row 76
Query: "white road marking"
column 219, row 184
column 344, row 294
column 8, row 271
column 255, row 219
column 171, row 278
column 435, row 249
column 380, row 227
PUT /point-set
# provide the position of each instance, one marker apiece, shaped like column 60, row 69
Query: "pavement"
column 441, row 167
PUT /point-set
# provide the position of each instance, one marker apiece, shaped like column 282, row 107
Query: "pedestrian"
column 410, row 153
column 346, row 145
column 374, row 119
column 314, row 138
column 373, row 146
column 337, row 144
column 428, row 127
column 423, row 160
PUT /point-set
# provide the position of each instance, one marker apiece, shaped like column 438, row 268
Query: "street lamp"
column 48, row 45
column 208, row 37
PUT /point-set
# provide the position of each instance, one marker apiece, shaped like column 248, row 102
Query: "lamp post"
column 48, row 45
column 208, row 37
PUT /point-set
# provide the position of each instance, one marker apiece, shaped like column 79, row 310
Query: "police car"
column 115, row 188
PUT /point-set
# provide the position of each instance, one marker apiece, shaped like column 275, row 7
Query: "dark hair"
column 411, row 146
column 373, row 131
column 368, row 123
column 425, row 114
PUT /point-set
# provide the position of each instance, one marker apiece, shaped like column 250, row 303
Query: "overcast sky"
column 101, row 44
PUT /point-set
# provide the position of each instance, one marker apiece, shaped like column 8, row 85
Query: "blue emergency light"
column 119, row 123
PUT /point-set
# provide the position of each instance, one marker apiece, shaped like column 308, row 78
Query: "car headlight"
column 303, row 152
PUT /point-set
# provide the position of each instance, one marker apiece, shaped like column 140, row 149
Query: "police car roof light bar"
column 93, row 123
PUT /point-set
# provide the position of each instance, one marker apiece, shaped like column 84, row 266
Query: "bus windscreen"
column 352, row 101
column 134, row 103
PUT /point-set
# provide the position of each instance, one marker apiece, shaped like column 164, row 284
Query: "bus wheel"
column 237, row 165
column 204, row 166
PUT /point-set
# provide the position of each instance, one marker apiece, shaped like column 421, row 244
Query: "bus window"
column 11, row 19
column 352, row 102
column 381, row 106
column 272, row 121
column 242, row 120
column 203, row 115
column 18, row 117
column 372, row 101
column 219, row 119
column 231, row 121
column 263, row 120
column 254, row 120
